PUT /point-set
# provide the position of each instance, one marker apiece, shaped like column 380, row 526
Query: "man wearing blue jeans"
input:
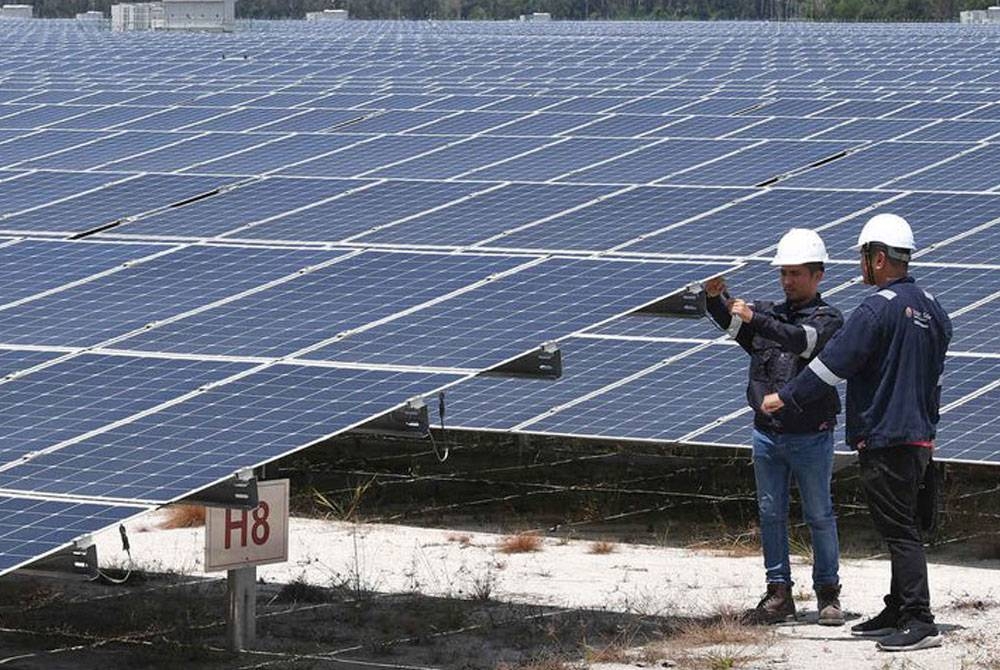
column 782, row 338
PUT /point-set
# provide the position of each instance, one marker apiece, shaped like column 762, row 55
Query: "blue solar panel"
column 619, row 219
column 868, row 168
column 275, row 155
column 241, row 206
column 468, row 123
column 627, row 125
column 934, row 217
column 481, row 328
column 105, row 150
column 105, row 117
column 760, row 164
column 112, row 203
column 30, row 267
column 557, row 159
column 655, row 162
column 974, row 171
column 501, row 403
column 240, row 119
column 31, row 528
column 244, row 423
column 44, row 142
column 188, row 153
column 38, row 188
column 396, row 121
column 359, row 211
column 312, row 121
column 462, row 157
column 957, row 131
column 321, row 304
column 737, row 230
column 86, row 392
column 872, row 130
column 657, row 406
column 968, row 431
column 786, row 128
column 353, row 161
column 756, row 281
column 15, row 360
column 34, row 117
column 148, row 292
column 483, row 216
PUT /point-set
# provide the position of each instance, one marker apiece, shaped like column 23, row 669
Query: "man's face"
column 799, row 283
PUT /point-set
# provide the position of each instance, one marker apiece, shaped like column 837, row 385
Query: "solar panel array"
column 219, row 250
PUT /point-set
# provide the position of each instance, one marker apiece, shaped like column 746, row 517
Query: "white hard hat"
column 891, row 230
column 799, row 246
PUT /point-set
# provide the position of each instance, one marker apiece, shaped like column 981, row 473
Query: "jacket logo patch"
column 920, row 319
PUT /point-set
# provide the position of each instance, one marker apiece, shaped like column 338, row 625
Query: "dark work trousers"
column 891, row 478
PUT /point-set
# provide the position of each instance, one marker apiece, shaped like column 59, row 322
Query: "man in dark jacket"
column 781, row 339
column 891, row 352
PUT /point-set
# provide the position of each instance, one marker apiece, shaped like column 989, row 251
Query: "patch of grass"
column 183, row 516
column 522, row 543
column 735, row 545
column 602, row 547
column 724, row 628
column 299, row 591
column 727, row 659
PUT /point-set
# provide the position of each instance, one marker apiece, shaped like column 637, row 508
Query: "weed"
column 521, row 543
column 602, row 548
column 183, row 516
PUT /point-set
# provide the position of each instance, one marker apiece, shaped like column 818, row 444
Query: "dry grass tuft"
column 723, row 629
column 183, row 516
column 461, row 538
column 547, row 664
column 522, row 543
column 602, row 548
column 970, row 603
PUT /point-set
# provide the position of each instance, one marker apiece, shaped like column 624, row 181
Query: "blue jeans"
column 809, row 459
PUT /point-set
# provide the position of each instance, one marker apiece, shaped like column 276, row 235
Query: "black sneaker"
column 882, row 624
column 915, row 635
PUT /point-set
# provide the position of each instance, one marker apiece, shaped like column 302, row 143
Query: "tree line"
column 816, row 10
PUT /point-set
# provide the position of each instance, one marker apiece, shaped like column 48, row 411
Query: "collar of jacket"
column 787, row 307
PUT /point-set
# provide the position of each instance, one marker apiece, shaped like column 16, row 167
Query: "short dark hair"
column 818, row 266
column 897, row 258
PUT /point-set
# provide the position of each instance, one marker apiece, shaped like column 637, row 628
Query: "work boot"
column 912, row 635
column 777, row 606
column 828, row 605
column 882, row 624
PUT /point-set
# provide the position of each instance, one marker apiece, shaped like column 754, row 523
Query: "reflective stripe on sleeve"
column 824, row 373
column 811, row 337
column 887, row 294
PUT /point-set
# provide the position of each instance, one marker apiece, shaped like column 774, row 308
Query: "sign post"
column 238, row 540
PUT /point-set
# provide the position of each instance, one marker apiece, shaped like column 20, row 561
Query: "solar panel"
column 736, row 229
column 489, row 213
column 974, row 171
column 248, row 421
column 105, row 150
column 968, row 430
column 454, row 160
column 367, row 156
column 867, row 168
column 557, row 159
column 147, row 292
column 86, row 392
column 16, row 360
column 589, row 364
column 30, row 267
column 934, row 217
column 655, row 162
column 277, row 154
column 481, row 328
column 657, row 406
column 359, row 211
column 321, row 304
column 41, row 143
column 760, row 164
column 198, row 149
column 33, row 189
column 112, row 203
column 245, row 205
column 619, row 219
column 31, row 528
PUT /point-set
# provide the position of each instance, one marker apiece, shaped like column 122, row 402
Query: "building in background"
column 327, row 15
column 16, row 11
